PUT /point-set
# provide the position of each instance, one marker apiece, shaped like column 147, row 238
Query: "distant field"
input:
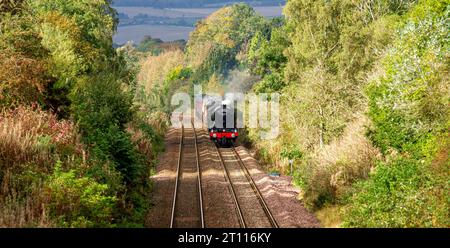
column 269, row 11
column 136, row 33
column 169, row 33
column 134, row 11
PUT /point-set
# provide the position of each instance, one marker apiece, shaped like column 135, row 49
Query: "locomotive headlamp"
column 233, row 135
column 215, row 135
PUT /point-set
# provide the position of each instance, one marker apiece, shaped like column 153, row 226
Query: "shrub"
column 78, row 201
column 401, row 193
column 102, row 109
column 31, row 141
column 148, row 141
column 179, row 73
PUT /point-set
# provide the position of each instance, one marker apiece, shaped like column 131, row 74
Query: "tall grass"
column 332, row 170
column 31, row 141
column 325, row 173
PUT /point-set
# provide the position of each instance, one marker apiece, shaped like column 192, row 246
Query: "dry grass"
column 336, row 166
column 31, row 141
column 25, row 211
column 329, row 216
column 159, row 121
column 27, row 135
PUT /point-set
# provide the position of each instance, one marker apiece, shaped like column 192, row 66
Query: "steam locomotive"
column 221, row 122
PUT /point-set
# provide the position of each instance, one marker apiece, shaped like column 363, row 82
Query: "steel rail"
column 233, row 192
column 199, row 176
column 172, row 219
column 263, row 203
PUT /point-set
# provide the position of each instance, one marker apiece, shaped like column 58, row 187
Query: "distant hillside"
column 191, row 3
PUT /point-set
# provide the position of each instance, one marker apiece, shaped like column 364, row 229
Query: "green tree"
column 266, row 58
column 217, row 40
column 408, row 106
column 78, row 35
column 334, row 45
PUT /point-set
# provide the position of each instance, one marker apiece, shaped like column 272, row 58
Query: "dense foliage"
column 214, row 45
column 408, row 106
column 364, row 107
column 59, row 68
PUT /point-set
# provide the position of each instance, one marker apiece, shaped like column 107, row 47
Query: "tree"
column 334, row 46
column 266, row 58
column 78, row 35
column 217, row 40
column 410, row 101
column 23, row 60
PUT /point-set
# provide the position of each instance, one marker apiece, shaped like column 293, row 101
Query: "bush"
column 79, row 201
column 179, row 73
column 102, row 109
column 401, row 193
column 31, row 142
column 149, row 141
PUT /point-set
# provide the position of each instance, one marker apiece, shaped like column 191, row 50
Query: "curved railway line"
column 187, row 203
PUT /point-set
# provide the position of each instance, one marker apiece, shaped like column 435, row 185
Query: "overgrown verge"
column 74, row 150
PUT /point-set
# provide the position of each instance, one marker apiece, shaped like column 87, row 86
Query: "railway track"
column 187, row 205
column 242, row 186
column 187, row 202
